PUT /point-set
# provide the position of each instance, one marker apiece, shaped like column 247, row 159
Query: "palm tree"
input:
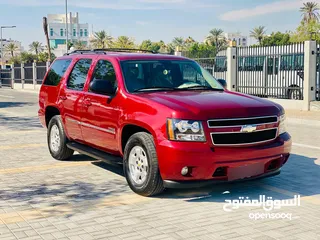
column 178, row 42
column 102, row 40
column 36, row 47
column 124, row 42
column 11, row 47
column 258, row 33
column 310, row 11
column 215, row 35
column 78, row 45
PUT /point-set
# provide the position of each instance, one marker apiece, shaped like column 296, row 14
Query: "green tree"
column 36, row 47
column 310, row 12
column 44, row 56
column 102, row 40
column 201, row 50
column 27, row 57
column 11, row 47
column 215, row 35
column 79, row 45
column 178, row 42
column 124, row 42
column 151, row 46
column 306, row 31
column 276, row 39
column 258, row 33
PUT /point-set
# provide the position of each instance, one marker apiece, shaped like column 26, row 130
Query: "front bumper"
column 204, row 161
column 199, row 183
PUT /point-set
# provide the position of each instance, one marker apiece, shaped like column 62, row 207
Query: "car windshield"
column 167, row 75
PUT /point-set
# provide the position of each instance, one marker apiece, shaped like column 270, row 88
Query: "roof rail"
column 124, row 50
column 104, row 50
column 83, row 52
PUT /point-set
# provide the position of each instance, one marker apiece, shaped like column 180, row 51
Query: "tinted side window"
column 105, row 71
column 79, row 74
column 56, row 72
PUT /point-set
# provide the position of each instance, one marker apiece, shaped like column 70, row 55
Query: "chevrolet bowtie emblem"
column 248, row 128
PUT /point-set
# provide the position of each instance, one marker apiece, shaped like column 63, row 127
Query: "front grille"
column 241, row 121
column 240, row 138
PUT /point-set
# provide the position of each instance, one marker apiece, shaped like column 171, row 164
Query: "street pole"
column 1, row 48
column 67, row 25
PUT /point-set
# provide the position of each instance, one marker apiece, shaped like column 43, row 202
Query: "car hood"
column 211, row 104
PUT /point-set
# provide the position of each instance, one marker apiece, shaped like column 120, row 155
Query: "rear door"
column 72, row 96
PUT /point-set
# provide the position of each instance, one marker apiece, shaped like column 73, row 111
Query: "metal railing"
column 275, row 72
column 6, row 78
column 317, row 92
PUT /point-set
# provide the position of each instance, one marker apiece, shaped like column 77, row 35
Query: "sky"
column 152, row 19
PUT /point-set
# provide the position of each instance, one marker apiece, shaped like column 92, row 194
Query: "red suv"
column 166, row 119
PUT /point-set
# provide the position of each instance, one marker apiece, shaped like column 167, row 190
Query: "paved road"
column 41, row 198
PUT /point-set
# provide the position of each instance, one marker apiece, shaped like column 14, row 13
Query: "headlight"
column 282, row 124
column 185, row 130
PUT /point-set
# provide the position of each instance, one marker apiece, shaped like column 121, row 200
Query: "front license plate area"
column 245, row 171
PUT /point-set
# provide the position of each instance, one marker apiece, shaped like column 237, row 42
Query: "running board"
column 95, row 153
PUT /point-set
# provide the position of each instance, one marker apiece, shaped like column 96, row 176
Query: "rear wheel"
column 295, row 94
column 141, row 165
column 57, row 140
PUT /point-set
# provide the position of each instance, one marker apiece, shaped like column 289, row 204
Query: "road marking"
column 21, row 146
column 21, row 132
column 44, row 167
column 5, row 96
column 305, row 146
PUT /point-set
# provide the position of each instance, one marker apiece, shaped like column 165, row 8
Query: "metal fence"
column 5, row 77
column 318, row 74
column 17, row 73
column 217, row 66
column 41, row 69
column 28, row 73
column 275, row 72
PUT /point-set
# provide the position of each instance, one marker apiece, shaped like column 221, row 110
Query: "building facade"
column 7, row 54
column 58, row 34
column 241, row 41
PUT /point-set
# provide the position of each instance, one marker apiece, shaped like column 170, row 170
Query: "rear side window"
column 56, row 72
column 79, row 74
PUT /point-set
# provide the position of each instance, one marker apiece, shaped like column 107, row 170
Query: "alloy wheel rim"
column 138, row 165
column 55, row 138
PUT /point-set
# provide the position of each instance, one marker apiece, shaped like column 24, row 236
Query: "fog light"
column 184, row 171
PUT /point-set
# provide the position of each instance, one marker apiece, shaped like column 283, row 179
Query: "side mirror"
column 102, row 87
column 223, row 83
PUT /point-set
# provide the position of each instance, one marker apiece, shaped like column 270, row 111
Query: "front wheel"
column 141, row 165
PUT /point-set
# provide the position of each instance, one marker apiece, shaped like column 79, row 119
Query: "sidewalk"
column 311, row 118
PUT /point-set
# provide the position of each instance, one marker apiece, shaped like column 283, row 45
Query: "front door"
column 72, row 97
column 100, row 113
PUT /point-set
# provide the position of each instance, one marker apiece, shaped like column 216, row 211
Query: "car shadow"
column 15, row 104
column 20, row 123
column 301, row 176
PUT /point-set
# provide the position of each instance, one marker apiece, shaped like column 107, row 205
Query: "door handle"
column 63, row 97
column 87, row 102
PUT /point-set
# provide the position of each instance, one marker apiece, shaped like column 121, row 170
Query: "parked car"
column 166, row 119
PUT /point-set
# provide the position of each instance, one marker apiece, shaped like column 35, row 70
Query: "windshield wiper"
column 202, row 88
column 155, row 89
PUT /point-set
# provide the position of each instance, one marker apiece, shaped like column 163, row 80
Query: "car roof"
column 123, row 56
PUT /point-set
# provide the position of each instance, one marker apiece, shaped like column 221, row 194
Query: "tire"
column 140, row 157
column 58, row 145
column 295, row 94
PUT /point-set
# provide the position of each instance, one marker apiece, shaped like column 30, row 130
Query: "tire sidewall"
column 138, row 141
